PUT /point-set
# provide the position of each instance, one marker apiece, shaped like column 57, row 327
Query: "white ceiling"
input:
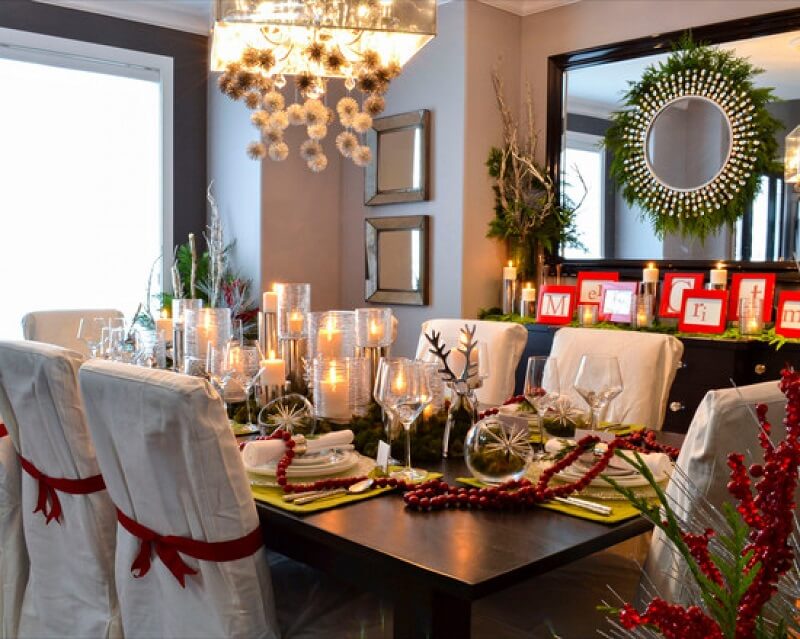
column 597, row 90
column 195, row 15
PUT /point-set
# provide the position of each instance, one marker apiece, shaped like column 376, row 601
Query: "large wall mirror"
column 397, row 260
column 399, row 170
column 686, row 146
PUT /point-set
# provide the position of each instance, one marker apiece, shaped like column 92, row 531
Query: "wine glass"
column 90, row 331
column 405, row 391
column 598, row 381
column 244, row 360
column 388, row 417
column 542, row 388
column 218, row 369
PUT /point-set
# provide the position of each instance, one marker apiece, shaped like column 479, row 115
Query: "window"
column 584, row 165
column 85, row 175
column 758, row 232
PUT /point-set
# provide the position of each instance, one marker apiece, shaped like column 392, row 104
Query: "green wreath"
column 717, row 75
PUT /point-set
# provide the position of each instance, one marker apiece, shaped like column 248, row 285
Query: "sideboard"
column 706, row 364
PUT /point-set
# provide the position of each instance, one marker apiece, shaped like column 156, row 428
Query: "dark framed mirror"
column 685, row 147
column 397, row 260
column 399, row 170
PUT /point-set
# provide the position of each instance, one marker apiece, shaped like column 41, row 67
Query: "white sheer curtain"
column 81, row 183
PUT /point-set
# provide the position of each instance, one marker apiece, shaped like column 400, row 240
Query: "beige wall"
column 594, row 22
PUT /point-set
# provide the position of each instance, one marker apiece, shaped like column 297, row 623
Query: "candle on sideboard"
column 587, row 314
column 719, row 276
column 510, row 271
column 334, row 391
column 509, row 287
column 269, row 302
column 273, row 371
column 528, row 293
column 650, row 274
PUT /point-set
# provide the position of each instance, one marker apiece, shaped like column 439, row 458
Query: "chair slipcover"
column 70, row 590
column 171, row 463
column 61, row 327
column 648, row 363
column 13, row 553
column 722, row 424
column 505, row 342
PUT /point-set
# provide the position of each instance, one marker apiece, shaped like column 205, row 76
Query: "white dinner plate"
column 634, row 480
column 346, row 462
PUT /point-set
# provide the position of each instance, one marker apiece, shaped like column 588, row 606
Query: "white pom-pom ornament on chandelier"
column 257, row 44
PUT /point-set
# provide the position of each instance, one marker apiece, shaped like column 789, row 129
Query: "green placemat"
column 622, row 510
column 616, row 429
column 274, row 497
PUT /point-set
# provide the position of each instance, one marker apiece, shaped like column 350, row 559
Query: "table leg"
column 420, row 614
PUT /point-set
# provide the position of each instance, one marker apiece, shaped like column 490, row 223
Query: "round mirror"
column 688, row 143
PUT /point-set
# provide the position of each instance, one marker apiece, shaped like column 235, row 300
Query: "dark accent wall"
column 190, row 59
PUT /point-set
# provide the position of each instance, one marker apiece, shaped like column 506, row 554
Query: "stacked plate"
column 618, row 470
column 321, row 465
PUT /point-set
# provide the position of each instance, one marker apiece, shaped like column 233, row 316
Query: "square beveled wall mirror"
column 399, row 170
column 397, row 260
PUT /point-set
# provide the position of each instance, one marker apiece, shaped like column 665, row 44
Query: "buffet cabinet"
column 706, row 364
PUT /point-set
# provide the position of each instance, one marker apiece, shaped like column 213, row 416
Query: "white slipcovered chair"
column 172, row 465
column 70, row 590
column 505, row 342
column 648, row 363
column 61, row 327
column 13, row 553
column 723, row 423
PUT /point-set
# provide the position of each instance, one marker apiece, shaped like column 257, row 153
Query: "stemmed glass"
column 405, row 391
column 90, row 331
column 598, row 381
column 218, row 369
column 542, row 388
column 388, row 416
column 244, row 360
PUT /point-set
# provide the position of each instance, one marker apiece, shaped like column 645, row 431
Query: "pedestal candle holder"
column 179, row 307
column 294, row 304
column 649, row 291
column 751, row 316
column 374, row 336
column 643, row 312
column 509, row 295
column 587, row 314
column 268, row 333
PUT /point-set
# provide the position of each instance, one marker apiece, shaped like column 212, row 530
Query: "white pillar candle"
column 457, row 359
column 719, row 275
column 528, row 293
column 650, row 274
column 269, row 302
column 329, row 339
column 295, row 322
column 334, row 395
column 509, row 272
column 273, row 371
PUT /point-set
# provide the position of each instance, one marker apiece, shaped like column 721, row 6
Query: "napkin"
column 658, row 463
column 260, row 452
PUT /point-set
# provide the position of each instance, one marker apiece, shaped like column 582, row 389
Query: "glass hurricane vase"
column 461, row 416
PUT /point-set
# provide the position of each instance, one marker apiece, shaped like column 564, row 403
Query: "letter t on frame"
column 556, row 304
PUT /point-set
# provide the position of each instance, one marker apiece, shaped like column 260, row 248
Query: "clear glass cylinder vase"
column 373, row 327
column 340, row 387
column 294, row 304
column 461, row 416
column 331, row 334
column 204, row 327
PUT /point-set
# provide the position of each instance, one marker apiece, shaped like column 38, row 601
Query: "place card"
column 604, row 435
column 382, row 459
column 674, row 286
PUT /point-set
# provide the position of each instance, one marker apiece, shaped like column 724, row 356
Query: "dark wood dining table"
column 434, row 565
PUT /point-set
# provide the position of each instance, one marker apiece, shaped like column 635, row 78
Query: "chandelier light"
column 267, row 49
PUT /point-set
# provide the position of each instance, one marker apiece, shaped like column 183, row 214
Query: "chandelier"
column 267, row 50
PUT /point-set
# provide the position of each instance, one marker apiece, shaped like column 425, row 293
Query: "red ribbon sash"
column 168, row 547
column 3, row 430
column 49, row 485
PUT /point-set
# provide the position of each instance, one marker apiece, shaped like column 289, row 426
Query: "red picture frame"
column 691, row 311
column 769, row 293
column 600, row 278
column 617, row 302
column 566, row 304
column 790, row 328
column 670, row 307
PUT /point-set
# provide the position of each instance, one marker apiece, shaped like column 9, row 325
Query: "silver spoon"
column 355, row 489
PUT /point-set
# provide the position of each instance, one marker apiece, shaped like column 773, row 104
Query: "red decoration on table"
column 617, row 305
column 703, row 312
column 675, row 285
column 590, row 285
column 168, row 547
column 49, row 485
column 752, row 286
column 787, row 323
column 556, row 304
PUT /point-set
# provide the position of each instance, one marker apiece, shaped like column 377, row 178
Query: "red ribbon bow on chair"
column 3, row 430
column 167, row 548
column 49, row 485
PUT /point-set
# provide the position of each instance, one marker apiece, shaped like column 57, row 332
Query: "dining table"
column 432, row 566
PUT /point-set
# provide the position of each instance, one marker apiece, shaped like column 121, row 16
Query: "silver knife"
column 586, row 505
column 307, row 499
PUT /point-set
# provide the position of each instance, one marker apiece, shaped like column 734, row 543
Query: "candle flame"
column 164, row 313
column 511, row 262
column 399, row 382
column 374, row 327
column 720, row 265
column 528, row 285
column 272, row 354
column 651, row 265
